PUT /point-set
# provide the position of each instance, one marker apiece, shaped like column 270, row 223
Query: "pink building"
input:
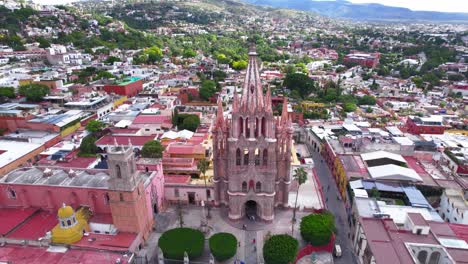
column 122, row 199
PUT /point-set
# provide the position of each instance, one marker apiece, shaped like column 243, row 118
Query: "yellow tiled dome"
column 65, row 211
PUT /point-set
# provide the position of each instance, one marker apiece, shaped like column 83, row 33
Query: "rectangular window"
column 208, row 194
column 176, row 192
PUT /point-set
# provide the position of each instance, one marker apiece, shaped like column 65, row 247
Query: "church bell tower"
column 252, row 151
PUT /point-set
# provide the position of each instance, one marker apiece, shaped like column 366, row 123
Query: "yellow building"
column 71, row 225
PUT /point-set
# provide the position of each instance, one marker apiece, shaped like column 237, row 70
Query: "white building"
column 454, row 207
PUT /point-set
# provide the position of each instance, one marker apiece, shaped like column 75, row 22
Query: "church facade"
column 252, row 152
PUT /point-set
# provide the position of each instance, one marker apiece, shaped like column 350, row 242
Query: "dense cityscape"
column 218, row 131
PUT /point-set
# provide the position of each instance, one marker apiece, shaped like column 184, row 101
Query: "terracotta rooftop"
column 177, row 179
column 123, row 140
column 40, row 255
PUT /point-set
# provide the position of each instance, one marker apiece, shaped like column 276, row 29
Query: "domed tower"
column 70, row 227
column 252, row 152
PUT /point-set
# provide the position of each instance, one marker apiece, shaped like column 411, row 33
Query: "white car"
column 337, row 250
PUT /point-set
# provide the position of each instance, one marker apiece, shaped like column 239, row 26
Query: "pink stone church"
column 252, row 152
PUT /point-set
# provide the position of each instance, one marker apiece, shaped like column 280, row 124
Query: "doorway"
column 251, row 210
column 191, row 197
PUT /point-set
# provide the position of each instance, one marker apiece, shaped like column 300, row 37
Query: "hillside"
column 376, row 12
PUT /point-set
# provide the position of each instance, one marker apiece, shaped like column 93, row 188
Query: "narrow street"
column 336, row 207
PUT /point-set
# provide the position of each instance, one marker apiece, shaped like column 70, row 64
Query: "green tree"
column 223, row 246
column 34, row 92
column 111, row 60
column 152, row 149
column 104, row 75
column 88, row 147
column 349, row 107
column 190, row 123
column 175, row 242
column 299, row 82
column 317, row 229
column 300, row 175
column 207, row 89
column 374, row 86
column 418, row 81
column 239, row 65
column 43, row 42
column 95, row 126
column 280, row 249
column 367, row 100
column 369, row 110
column 7, row 92
column 189, row 53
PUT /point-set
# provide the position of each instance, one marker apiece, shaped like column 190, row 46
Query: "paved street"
column 337, row 208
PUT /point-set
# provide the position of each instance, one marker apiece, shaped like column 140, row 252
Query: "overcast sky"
column 429, row 5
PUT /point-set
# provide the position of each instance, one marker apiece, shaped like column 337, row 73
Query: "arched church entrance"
column 251, row 208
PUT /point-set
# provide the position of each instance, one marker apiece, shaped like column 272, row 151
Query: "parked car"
column 337, row 251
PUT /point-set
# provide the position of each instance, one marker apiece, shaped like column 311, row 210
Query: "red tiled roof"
column 35, row 227
column 39, row 255
column 11, row 217
column 123, row 140
column 461, row 231
column 78, row 162
column 176, row 179
column 152, row 119
column 185, row 149
column 122, row 241
column 417, row 219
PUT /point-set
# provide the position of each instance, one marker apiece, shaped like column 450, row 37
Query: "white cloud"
column 423, row 5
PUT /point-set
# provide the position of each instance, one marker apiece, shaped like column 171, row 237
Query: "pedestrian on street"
column 253, row 241
column 244, row 227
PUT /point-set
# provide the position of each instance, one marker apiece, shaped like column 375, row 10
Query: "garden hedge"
column 223, row 246
column 280, row 249
column 175, row 242
column 317, row 229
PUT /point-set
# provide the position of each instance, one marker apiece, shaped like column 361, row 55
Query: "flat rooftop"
column 39, row 255
column 14, row 150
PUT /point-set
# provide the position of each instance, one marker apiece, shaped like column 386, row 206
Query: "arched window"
column 11, row 193
column 257, row 127
column 422, row 256
column 263, row 126
column 257, row 157
column 106, row 198
column 69, row 222
column 238, row 157
column 121, row 197
column 434, row 259
column 258, row 187
column 241, row 126
column 265, row 157
column 247, row 128
column 63, row 223
column 118, row 171
column 244, row 186
column 246, row 157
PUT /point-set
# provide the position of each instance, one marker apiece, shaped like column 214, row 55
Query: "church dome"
column 65, row 211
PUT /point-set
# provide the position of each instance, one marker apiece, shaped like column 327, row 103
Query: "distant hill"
column 375, row 12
